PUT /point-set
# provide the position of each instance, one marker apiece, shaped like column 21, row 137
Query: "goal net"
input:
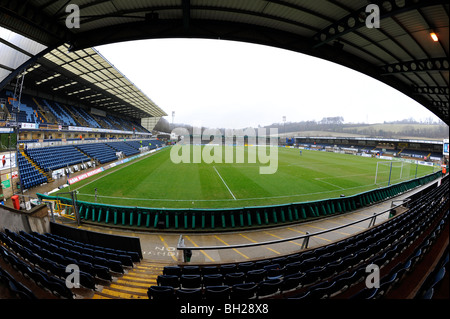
column 389, row 172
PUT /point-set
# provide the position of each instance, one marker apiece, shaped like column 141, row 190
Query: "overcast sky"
column 217, row 83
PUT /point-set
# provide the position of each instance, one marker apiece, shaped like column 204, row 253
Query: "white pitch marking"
column 224, row 183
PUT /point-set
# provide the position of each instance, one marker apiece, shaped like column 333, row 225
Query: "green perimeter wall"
column 144, row 218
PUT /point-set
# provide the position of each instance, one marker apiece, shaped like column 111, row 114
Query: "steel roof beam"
column 438, row 90
column 424, row 65
column 186, row 5
column 357, row 19
column 26, row 19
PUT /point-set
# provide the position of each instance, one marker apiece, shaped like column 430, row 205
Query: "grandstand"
column 426, row 150
column 34, row 110
column 76, row 116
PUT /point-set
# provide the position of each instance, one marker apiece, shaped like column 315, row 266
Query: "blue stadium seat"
column 161, row 293
column 52, row 158
column 99, row 151
column 217, row 292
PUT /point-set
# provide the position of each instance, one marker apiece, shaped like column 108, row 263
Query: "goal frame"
column 390, row 164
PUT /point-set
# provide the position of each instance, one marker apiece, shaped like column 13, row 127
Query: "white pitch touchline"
column 319, row 180
column 343, row 176
column 224, row 182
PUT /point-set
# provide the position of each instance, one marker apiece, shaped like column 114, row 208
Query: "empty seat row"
column 436, row 279
column 128, row 256
column 123, row 147
column 332, row 267
column 239, row 291
column 51, row 158
column 86, row 116
column 64, row 114
column 56, row 263
column 16, row 288
column 48, row 282
column 400, row 270
column 99, row 151
column 29, row 175
column 58, row 111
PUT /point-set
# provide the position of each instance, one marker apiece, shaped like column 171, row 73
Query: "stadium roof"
column 87, row 77
column 400, row 53
column 81, row 76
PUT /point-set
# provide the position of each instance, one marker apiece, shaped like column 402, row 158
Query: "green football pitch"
column 156, row 181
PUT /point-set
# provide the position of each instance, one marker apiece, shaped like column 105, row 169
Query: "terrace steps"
column 76, row 117
column 41, row 110
column 133, row 284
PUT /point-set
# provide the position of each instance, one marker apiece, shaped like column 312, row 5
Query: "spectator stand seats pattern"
column 435, row 280
column 52, row 158
column 63, row 117
column 29, row 113
column 49, row 283
column 124, row 148
column 99, row 151
column 88, row 118
column 16, row 288
column 29, row 174
column 151, row 144
column 44, row 257
column 336, row 270
column 32, row 110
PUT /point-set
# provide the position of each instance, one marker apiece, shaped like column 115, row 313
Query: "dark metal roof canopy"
column 399, row 53
column 85, row 78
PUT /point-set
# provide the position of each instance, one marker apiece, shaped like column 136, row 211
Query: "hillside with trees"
column 335, row 126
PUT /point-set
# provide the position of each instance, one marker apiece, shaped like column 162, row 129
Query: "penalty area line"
column 224, row 183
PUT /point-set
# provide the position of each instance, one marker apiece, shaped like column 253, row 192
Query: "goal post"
column 391, row 171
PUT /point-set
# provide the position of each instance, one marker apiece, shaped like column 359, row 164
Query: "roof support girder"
column 357, row 19
column 25, row 19
column 22, row 67
column 438, row 90
column 186, row 5
column 424, row 65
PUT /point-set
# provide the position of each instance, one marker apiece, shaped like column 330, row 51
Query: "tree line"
column 407, row 127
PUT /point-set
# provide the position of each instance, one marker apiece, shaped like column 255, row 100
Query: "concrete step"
column 133, row 284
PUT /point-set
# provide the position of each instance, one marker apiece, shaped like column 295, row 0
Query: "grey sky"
column 219, row 83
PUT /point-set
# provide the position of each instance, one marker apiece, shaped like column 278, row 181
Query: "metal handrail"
column 306, row 237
